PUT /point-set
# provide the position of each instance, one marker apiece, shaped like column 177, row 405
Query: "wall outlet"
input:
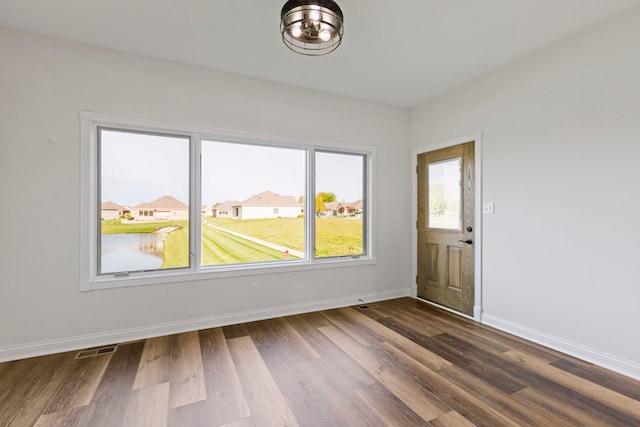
column 382, row 274
column 253, row 289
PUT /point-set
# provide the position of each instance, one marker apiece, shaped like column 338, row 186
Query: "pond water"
column 131, row 252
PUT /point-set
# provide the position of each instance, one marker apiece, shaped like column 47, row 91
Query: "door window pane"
column 339, row 204
column 255, row 196
column 143, row 187
column 445, row 194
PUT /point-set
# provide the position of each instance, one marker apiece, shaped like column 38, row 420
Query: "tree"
column 327, row 197
column 301, row 199
column 320, row 204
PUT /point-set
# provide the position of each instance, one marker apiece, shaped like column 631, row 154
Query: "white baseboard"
column 95, row 340
column 614, row 363
column 477, row 313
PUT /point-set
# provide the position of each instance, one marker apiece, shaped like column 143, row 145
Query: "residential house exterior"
column 110, row 210
column 224, row 209
column 356, row 208
column 166, row 208
column 330, row 209
column 268, row 205
column 342, row 208
column 206, row 210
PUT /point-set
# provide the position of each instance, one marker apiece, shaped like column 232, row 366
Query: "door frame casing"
column 477, row 245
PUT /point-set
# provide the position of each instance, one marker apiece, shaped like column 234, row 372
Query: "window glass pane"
column 253, row 203
column 143, row 187
column 444, row 195
column 339, row 204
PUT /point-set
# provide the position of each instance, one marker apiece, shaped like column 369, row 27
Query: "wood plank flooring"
column 396, row 363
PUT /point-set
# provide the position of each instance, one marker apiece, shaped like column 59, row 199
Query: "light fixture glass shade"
column 311, row 27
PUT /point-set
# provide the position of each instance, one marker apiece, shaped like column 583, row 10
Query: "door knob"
column 468, row 241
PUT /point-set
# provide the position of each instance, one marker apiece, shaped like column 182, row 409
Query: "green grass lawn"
column 219, row 247
column 334, row 236
column 288, row 232
column 176, row 249
column 338, row 236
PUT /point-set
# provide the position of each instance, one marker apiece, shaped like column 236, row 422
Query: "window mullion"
column 310, row 206
column 366, row 211
column 195, row 222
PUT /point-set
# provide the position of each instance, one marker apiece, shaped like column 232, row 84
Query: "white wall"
column 561, row 142
column 44, row 83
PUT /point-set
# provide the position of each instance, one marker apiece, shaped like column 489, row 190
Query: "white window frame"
column 89, row 280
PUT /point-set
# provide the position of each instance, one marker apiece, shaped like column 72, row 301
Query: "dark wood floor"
column 396, row 363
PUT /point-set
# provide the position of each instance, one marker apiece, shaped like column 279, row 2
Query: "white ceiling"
column 395, row 52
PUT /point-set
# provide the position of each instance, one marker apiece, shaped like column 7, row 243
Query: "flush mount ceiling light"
column 311, row 27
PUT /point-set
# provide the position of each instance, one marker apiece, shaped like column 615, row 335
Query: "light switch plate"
column 488, row 208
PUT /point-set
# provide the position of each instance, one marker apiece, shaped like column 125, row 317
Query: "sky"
column 137, row 168
column 239, row 171
column 341, row 174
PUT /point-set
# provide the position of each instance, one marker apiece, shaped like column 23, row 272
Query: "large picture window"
column 166, row 202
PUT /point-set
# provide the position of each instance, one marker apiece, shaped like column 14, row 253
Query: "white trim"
column 236, row 270
column 87, row 184
column 609, row 361
column 369, row 204
column 89, row 280
column 477, row 233
column 229, row 135
column 95, row 340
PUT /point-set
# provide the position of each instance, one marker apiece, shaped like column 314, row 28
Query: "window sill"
column 215, row 273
